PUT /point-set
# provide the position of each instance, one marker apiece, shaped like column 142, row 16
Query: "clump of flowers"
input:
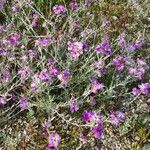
column 59, row 10
column 53, row 141
column 122, row 40
column 44, row 41
column 76, row 49
column 104, row 48
column 116, row 118
column 64, row 77
column 23, row 102
column 94, row 119
column 119, row 63
column 74, row 107
column 100, row 67
column 73, row 5
column 2, row 100
column 96, row 86
column 135, row 45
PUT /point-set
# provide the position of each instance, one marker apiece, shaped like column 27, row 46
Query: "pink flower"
column 59, row 10
column 74, row 107
column 96, row 86
column 53, row 141
column 117, row 117
column 23, row 103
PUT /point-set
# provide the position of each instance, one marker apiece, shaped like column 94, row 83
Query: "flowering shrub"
column 73, row 70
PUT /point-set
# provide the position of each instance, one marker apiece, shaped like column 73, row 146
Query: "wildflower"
column 98, row 131
column 24, row 58
column 2, row 100
column 119, row 63
column 135, row 45
column 75, row 49
column 23, row 103
column 14, row 39
column 34, row 87
column 51, row 62
column 96, row 86
column 117, row 117
column 137, row 72
column 53, row 141
column 53, row 71
column 136, row 91
column 44, row 41
column 87, row 116
column 59, row 10
column 5, row 75
column 104, row 47
column 2, row 3
column 74, row 107
column 24, row 72
column 73, row 5
column 140, row 62
column 64, row 77
column 100, row 66
column 44, row 75
column 121, row 40
column 145, row 88
column 35, row 21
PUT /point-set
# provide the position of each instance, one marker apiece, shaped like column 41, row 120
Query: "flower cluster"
column 96, row 86
column 119, row 63
column 76, row 49
column 116, row 118
column 53, row 141
column 104, row 48
column 59, row 10
column 143, row 88
column 94, row 119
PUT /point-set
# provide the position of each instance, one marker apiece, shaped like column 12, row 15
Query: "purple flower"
column 145, row 88
column 44, row 75
column 121, row 40
column 75, row 49
column 6, row 75
column 44, row 41
column 137, row 72
column 73, row 5
column 74, row 107
column 140, row 62
column 119, row 63
column 117, row 117
column 24, row 73
column 53, row 71
column 35, row 21
column 2, row 100
column 87, row 116
column 104, row 47
column 59, row 10
column 51, row 62
column 34, row 87
column 96, row 86
column 100, row 67
column 14, row 39
column 136, row 91
column 98, row 131
column 23, row 103
column 53, row 141
column 2, row 3
column 64, row 77
column 135, row 45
